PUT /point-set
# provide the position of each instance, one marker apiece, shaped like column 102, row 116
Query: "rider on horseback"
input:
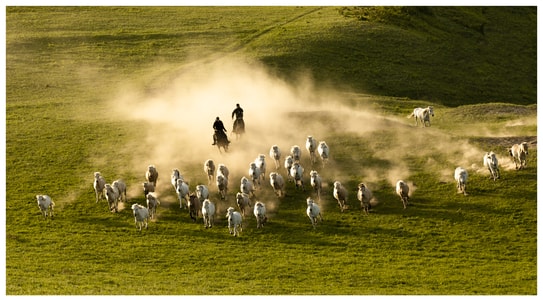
column 219, row 130
column 239, row 124
column 238, row 112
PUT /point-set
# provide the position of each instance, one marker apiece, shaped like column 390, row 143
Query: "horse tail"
column 411, row 115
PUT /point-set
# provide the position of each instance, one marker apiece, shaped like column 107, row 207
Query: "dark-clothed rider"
column 238, row 112
column 219, row 129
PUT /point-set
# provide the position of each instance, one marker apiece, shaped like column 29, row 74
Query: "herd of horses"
column 117, row 190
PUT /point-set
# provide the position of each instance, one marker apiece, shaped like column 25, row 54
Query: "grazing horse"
column 422, row 114
column 239, row 127
column 311, row 146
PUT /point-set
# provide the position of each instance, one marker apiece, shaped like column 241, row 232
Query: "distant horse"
column 422, row 114
column 239, row 127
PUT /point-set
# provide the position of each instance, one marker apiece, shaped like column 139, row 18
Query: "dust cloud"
column 179, row 115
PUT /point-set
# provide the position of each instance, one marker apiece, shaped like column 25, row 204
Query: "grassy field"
column 116, row 89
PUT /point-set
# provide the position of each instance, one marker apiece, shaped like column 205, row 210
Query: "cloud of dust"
column 179, row 118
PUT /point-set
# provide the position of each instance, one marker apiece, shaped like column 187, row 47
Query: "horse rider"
column 239, row 124
column 219, row 129
column 238, row 112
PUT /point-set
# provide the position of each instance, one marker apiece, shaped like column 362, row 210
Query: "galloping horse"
column 239, row 127
column 422, row 114
column 222, row 140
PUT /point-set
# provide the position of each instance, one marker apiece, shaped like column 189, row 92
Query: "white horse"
column 297, row 174
column 46, row 205
column 313, row 211
column 208, row 213
column 491, row 162
column 316, row 183
column 182, row 192
column 234, row 221
column 340, row 194
column 402, row 189
column 222, row 169
column 311, row 146
column 121, row 187
column 222, row 185
column 324, row 152
column 260, row 162
column 209, row 169
column 277, row 183
column 260, row 214
column 364, row 195
column 202, row 192
column 519, row 152
column 99, row 185
column 275, row 154
column 243, row 201
column 246, row 186
column 174, row 177
column 254, row 174
column 422, row 114
column 112, row 196
column 288, row 164
column 152, row 204
column 141, row 216
column 296, row 153
column 461, row 177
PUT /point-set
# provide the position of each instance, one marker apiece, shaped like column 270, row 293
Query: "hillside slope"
column 448, row 55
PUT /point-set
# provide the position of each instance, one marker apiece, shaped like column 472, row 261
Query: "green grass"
column 64, row 69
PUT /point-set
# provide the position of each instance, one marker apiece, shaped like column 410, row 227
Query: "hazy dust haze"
column 180, row 114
